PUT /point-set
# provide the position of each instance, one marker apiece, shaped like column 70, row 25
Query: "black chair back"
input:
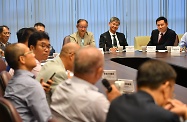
column 2, row 65
column 8, row 112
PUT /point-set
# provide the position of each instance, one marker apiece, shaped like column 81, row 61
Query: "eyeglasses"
column 82, row 27
column 27, row 53
column 6, row 33
column 49, row 47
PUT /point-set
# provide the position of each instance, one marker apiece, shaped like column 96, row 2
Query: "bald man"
column 77, row 99
column 59, row 65
column 24, row 92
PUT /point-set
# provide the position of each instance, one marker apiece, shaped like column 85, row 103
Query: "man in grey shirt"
column 24, row 92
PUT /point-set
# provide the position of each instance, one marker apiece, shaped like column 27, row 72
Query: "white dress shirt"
column 112, row 38
column 76, row 100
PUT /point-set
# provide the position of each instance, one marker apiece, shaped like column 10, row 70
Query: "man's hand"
column 113, row 50
column 46, row 86
column 177, row 107
column 113, row 94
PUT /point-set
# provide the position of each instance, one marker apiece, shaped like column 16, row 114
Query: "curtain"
column 60, row 16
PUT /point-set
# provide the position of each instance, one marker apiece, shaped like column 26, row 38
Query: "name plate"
column 109, row 75
column 128, row 85
column 101, row 49
column 175, row 49
column 129, row 48
column 151, row 48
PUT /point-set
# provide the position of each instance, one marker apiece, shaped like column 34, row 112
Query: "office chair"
column 66, row 40
column 4, row 78
column 2, row 92
column 180, row 36
column 2, row 65
column 176, row 43
column 8, row 112
column 141, row 41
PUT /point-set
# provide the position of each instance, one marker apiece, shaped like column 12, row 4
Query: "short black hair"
column 80, row 20
column 115, row 19
column 161, row 18
column 37, row 36
column 153, row 73
column 1, row 28
column 24, row 33
column 39, row 24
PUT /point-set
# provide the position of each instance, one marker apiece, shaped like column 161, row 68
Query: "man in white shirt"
column 77, row 99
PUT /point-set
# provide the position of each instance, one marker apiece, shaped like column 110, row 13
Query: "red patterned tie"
column 160, row 37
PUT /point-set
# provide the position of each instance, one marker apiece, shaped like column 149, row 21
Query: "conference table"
column 127, row 63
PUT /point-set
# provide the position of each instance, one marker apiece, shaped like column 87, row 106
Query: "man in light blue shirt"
column 24, row 92
column 183, row 42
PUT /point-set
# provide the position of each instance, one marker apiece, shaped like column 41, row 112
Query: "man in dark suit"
column 112, row 39
column 4, row 36
column 163, row 36
column 155, row 83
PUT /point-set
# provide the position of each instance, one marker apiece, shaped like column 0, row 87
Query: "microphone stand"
column 105, row 51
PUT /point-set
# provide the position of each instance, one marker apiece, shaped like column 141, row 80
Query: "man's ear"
column 99, row 72
column 166, row 89
column 32, row 47
column 22, row 59
column 71, row 57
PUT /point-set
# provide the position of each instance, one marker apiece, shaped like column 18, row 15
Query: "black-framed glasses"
column 44, row 46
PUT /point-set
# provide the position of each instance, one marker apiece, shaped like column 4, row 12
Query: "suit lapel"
column 109, row 40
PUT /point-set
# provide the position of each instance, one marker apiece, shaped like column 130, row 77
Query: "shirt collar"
column 84, row 34
column 162, row 33
column 111, row 33
column 20, row 72
column 85, row 83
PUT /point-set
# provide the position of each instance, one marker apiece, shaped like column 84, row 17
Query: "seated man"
column 77, row 99
column 40, row 45
column 155, row 84
column 183, row 42
column 82, row 37
column 163, row 36
column 58, row 65
column 23, row 35
column 25, row 93
column 41, row 27
column 112, row 39
column 4, row 36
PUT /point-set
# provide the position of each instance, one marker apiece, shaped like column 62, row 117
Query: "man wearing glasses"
column 112, row 39
column 23, row 91
column 40, row 45
column 4, row 36
column 82, row 37
column 41, row 27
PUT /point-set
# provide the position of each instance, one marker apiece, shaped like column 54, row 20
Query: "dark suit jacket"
column 168, row 39
column 2, row 47
column 105, row 38
column 138, row 107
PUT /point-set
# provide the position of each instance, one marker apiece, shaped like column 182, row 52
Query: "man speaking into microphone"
column 77, row 99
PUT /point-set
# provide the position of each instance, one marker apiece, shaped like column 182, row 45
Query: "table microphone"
column 107, row 85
